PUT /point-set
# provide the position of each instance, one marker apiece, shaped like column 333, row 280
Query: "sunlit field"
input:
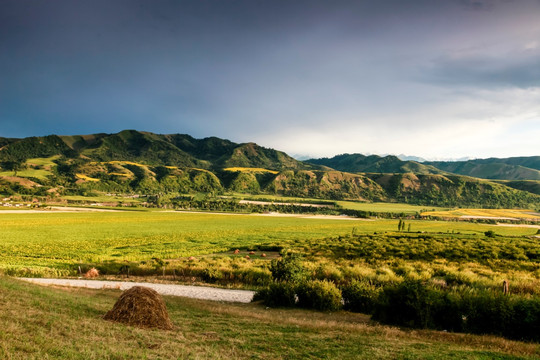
column 486, row 213
column 59, row 240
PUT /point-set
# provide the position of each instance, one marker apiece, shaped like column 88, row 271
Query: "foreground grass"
column 50, row 323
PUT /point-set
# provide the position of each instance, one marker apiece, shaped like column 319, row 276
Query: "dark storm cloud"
column 257, row 70
column 485, row 72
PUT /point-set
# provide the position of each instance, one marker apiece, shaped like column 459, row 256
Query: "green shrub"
column 525, row 322
column 360, row 296
column 277, row 294
column 413, row 304
column 287, row 268
column 512, row 316
column 319, row 295
column 211, row 275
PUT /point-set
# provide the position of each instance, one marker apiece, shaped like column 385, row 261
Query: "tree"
column 13, row 165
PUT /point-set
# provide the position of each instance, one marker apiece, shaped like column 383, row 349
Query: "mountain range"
column 142, row 162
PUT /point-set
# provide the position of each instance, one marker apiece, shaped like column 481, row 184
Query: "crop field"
column 486, row 213
column 387, row 207
column 396, row 208
column 60, row 240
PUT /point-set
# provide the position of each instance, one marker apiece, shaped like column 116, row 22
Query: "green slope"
column 532, row 186
column 452, row 190
column 146, row 163
column 522, row 168
column 374, row 163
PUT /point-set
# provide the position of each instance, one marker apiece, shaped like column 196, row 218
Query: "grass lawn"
column 56, row 323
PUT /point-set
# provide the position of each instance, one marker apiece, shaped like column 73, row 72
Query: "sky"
column 436, row 79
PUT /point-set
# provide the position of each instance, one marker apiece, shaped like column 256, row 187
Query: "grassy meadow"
column 460, row 261
column 65, row 323
column 62, row 240
column 376, row 207
column 39, row 168
column 486, row 213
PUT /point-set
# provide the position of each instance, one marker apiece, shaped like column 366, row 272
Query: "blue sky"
column 436, row 79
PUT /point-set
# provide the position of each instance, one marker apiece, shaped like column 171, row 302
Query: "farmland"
column 467, row 261
column 353, row 205
column 507, row 214
column 48, row 240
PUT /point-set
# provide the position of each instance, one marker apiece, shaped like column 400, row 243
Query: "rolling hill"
column 355, row 163
column 134, row 162
column 517, row 168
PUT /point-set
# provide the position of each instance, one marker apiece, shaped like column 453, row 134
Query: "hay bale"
column 92, row 273
column 140, row 306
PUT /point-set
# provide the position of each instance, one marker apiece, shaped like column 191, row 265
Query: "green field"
column 396, row 208
column 60, row 240
column 463, row 260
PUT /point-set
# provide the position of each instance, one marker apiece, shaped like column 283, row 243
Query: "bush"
column 211, row 275
column 360, row 296
column 413, row 304
column 287, row 268
column 525, row 322
column 277, row 294
column 481, row 312
column 319, row 295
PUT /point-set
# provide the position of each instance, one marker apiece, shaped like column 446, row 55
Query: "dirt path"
column 196, row 292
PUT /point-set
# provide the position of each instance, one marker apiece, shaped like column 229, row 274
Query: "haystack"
column 140, row 306
column 92, row 273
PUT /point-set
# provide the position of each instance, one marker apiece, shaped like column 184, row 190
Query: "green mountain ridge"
column 355, row 163
column 516, row 168
column 151, row 149
column 519, row 168
column 147, row 163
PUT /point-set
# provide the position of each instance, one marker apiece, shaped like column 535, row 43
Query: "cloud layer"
column 434, row 79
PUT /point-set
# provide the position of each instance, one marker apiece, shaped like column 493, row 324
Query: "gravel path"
column 196, row 292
